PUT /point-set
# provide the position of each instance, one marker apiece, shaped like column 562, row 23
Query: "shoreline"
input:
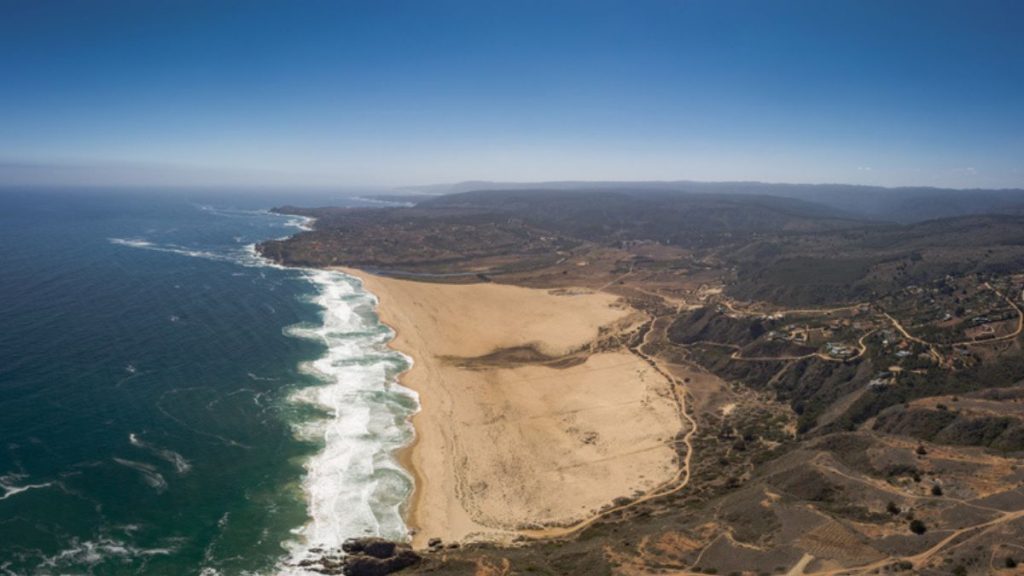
column 402, row 455
column 351, row 483
column 405, row 455
column 404, row 458
column 507, row 447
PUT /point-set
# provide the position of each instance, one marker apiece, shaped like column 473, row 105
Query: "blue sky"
column 389, row 92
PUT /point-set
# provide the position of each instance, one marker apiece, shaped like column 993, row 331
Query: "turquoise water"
column 170, row 404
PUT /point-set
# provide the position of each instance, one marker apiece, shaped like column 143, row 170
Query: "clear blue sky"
column 395, row 92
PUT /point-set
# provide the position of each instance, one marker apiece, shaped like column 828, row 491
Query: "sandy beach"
column 526, row 421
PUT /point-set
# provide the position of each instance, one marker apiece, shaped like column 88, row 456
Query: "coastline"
column 355, row 484
column 406, row 455
column 504, row 447
column 403, row 455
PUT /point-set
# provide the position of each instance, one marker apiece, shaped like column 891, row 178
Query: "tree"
column 936, row 490
column 918, row 527
column 892, row 508
column 1010, row 562
column 757, row 329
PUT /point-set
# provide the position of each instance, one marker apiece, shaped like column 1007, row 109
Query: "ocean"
column 170, row 403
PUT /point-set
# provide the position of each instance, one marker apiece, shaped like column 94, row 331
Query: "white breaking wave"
column 354, row 484
column 301, row 222
column 133, row 242
column 149, row 473
column 92, row 552
column 244, row 256
column 171, row 248
column 179, row 462
column 7, row 483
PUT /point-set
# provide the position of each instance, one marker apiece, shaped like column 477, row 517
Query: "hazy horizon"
column 392, row 94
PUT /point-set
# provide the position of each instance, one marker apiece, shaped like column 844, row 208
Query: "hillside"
column 852, row 383
column 899, row 204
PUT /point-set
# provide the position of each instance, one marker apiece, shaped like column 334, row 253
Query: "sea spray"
column 354, row 485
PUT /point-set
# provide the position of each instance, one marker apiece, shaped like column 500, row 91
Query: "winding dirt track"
column 1016, row 332
column 918, row 560
column 682, row 478
column 861, row 349
column 679, row 482
column 933, row 347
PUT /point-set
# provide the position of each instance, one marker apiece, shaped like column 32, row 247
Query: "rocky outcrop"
column 376, row 547
column 376, row 557
column 364, row 557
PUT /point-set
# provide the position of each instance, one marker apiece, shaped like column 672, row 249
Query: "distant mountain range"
column 902, row 204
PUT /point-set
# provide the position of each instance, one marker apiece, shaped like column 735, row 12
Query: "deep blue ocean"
column 171, row 404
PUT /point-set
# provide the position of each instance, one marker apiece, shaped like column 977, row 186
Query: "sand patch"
column 507, row 446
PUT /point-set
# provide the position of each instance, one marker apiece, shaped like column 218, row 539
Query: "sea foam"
column 354, row 485
column 9, row 488
column 182, row 465
column 147, row 472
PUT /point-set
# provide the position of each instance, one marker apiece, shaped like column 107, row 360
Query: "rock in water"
column 376, row 547
column 375, row 557
column 370, row 566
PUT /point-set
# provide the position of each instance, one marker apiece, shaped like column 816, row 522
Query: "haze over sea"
column 172, row 403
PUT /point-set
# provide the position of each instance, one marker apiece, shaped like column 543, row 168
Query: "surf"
column 354, row 484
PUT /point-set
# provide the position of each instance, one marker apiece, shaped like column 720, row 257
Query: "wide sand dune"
column 507, row 441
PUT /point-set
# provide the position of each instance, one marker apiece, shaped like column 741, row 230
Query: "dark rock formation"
column 375, row 557
column 376, row 547
column 362, row 557
column 360, row 565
